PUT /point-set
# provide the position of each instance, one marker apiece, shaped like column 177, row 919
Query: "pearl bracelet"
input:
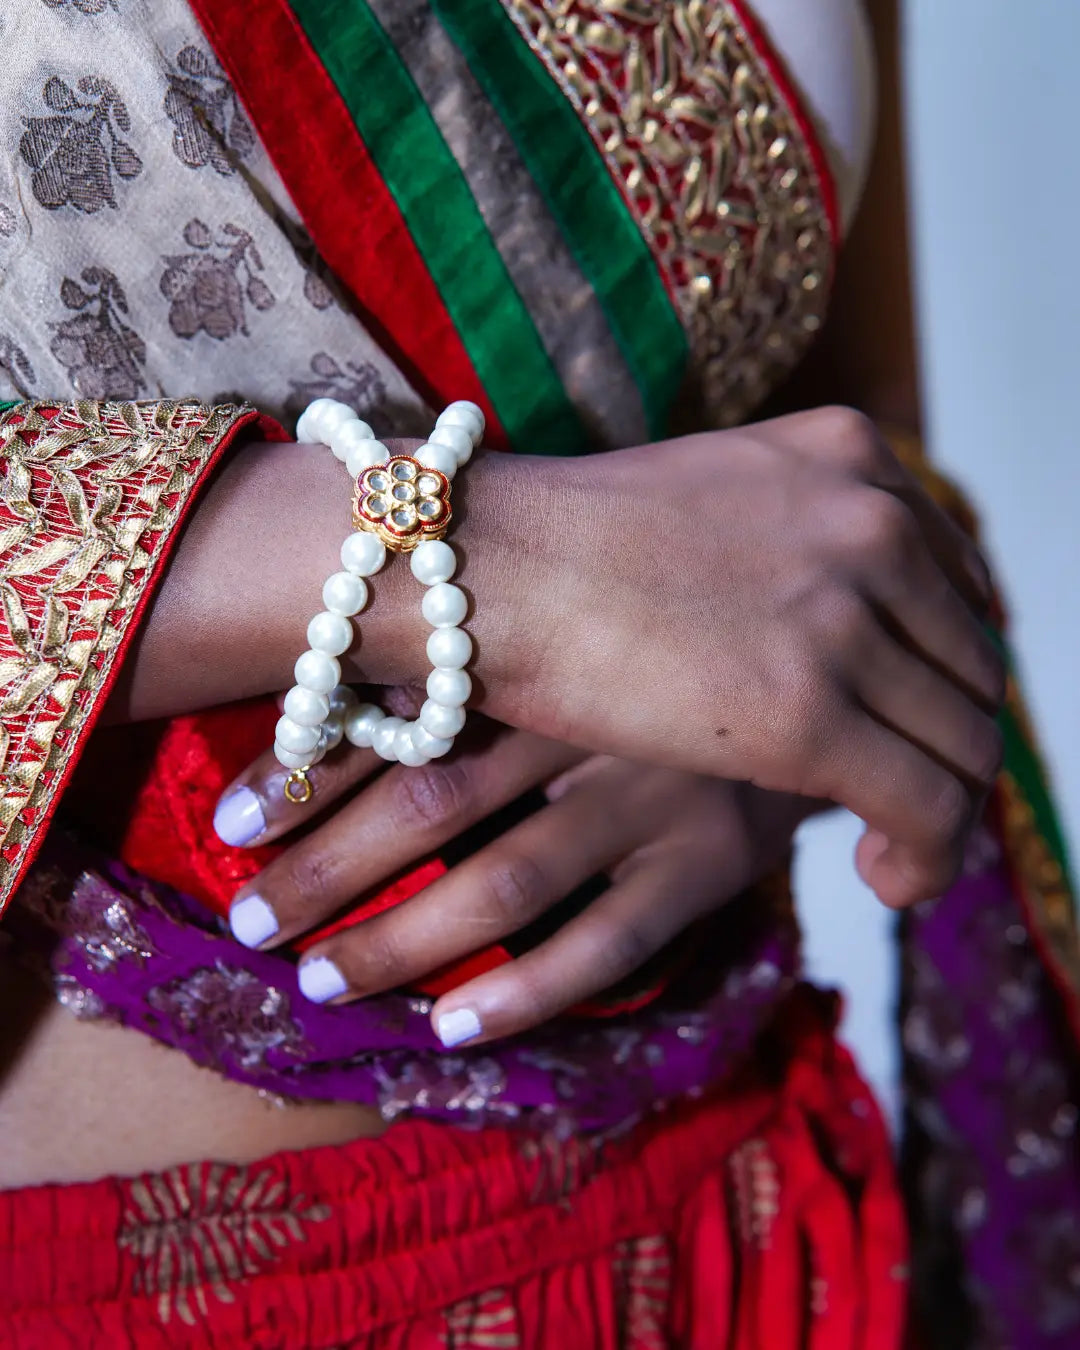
column 401, row 503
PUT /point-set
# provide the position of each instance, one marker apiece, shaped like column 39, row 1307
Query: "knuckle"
column 988, row 751
column 852, row 438
column 951, row 810
column 888, row 527
column 513, row 888
column 628, row 945
column 432, row 796
column 313, row 873
column 373, row 957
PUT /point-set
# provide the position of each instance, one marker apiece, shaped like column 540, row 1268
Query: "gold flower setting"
column 403, row 502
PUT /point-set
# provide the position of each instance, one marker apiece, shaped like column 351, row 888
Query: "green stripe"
column 1023, row 763
column 577, row 185
column 441, row 215
column 6, row 407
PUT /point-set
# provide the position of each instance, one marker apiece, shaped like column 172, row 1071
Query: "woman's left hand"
column 674, row 845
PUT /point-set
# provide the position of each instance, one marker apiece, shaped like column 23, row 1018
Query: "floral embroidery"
column 15, row 364
column 85, row 6
column 209, row 286
column 8, row 222
column 233, row 1011
column 74, row 155
column 101, row 354
column 486, row 1321
column 194, row 1230
column 644, row 1271
column 209, row 126
column 359, row 385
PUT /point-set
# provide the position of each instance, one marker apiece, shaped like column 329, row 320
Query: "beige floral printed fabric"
column 147, row 246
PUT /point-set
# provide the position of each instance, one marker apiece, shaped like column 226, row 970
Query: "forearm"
column 229, row 618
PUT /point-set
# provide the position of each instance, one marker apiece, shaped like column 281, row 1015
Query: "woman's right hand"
column 780, row 604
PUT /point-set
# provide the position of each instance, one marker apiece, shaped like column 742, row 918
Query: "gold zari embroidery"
column 91, row 495
column 716, row 169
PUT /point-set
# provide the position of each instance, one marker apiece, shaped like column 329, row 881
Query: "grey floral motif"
column 209, row 286
column 8, row 223
column 102, row 355
column 15, row 364
column 359, row 385
column 75, row 154
column 85, row 6
column 209, row 126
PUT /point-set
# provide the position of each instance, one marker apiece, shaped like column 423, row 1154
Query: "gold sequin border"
column 92, row 495
column 715, row 167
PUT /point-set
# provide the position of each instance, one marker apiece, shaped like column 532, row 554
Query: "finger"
column 404, row 815
column 856, row 447
column 499, row 890
column 616, row 935
column 924, row 707
column 922, row 809
column 254, row 809
column 895, row 567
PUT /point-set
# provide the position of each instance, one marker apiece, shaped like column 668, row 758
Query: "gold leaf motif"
column 667, row 64
column 5, row 743
column 107, row 504
column 10, row 669
column 689, row 109
column 17, row 622
column 604, row 39
column 637, row 11
column 17, row 485
column 39, row 559
column 74, row 498
column 32, row 687
column 695, row 189
column 55, row 628
column 78, row 568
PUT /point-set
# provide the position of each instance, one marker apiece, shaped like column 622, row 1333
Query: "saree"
column 603, row 223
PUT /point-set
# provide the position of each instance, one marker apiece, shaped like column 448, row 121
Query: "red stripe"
column 776, row 67
column 341, row 196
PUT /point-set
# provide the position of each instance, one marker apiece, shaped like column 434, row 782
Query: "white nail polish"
column 320, row 979
column 453, row 1028
column 252, row 921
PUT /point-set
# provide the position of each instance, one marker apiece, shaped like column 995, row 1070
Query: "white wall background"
column 994, row 149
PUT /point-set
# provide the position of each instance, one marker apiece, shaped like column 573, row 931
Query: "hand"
column 781, row 604
column 674, row 845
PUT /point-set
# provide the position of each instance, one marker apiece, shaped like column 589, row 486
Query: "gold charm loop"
column 298, row 789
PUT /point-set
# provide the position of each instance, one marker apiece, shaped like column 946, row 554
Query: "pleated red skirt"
column 765, row 1216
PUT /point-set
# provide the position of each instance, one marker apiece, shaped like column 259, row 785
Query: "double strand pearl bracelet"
column 401, row 503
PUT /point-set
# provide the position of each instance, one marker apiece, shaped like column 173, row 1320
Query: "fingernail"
column 320, row 980
column 458, row 1026
column 239, row 817
column 252, row 921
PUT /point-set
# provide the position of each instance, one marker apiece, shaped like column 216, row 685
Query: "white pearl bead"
column 360, row 724
column 439, row 457
column 290, row 759
column 292, row 736
column 318, row 671
column 463, row 408
column 363, row 553
column 383, row 738
column 306, row 707
column 330, row 633
column 365, row 456
column 449, row 687
column 450, row 648
column 441, row 721
column 405, row 749
column 346, row 594
column 333, row 731
column 348, row 436
column 309, row 429
column 342, row 699
column 432, row 561
column 433, row 747
column 443, row 606
column 456, row 416
column 456, row 439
